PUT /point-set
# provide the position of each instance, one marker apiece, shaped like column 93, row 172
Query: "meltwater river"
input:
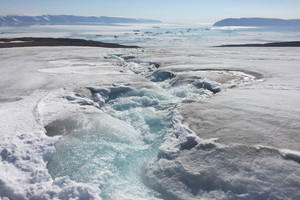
column 111, row 149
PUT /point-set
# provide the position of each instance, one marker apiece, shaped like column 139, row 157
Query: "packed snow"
column 150, row 123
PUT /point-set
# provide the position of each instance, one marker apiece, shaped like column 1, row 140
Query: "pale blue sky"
column 165, row 10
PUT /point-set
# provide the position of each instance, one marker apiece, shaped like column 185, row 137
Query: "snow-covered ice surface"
column 248, row 136
column 31, row 99
column 181, row 122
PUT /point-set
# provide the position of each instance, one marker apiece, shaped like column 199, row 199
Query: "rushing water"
column 111, row 148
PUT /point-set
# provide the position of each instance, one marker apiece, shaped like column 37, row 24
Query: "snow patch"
column 16, row 20
column 208, row 85
column 26, row 150
column 161, row 75
column 179, row 138
column 140, row 68
column 46, row 18
column 224, row 172
column 290, row 154
column 101, row 94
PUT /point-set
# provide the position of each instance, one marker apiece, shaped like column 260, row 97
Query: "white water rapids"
column 111, row 149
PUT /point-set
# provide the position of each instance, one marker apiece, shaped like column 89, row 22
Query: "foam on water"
column 107, row 151
column 111, row 149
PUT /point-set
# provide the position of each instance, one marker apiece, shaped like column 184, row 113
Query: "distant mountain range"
column 257, row 22
column 16, row 20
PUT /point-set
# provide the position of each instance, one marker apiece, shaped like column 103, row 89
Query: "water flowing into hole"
column 111, row 148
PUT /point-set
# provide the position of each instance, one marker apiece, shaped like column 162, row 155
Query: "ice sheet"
column 240, row 144
column 266, row 114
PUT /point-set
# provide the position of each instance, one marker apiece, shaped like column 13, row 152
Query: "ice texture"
column 34, row 98
column 248, row 144
column 227, row 172
column 137, row 123
column 207, row 123
column 112, row 147
column 25, row 149
column 290, row 154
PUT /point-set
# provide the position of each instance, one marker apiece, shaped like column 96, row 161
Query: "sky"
column 194, row 11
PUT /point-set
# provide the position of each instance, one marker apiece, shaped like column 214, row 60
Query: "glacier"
column 150, row 123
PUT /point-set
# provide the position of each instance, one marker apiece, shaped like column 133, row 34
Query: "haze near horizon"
column 194, row 11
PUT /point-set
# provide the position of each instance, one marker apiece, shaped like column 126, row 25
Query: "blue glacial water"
column 110, row 149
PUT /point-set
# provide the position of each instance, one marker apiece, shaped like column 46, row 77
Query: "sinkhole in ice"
column 110, row 149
